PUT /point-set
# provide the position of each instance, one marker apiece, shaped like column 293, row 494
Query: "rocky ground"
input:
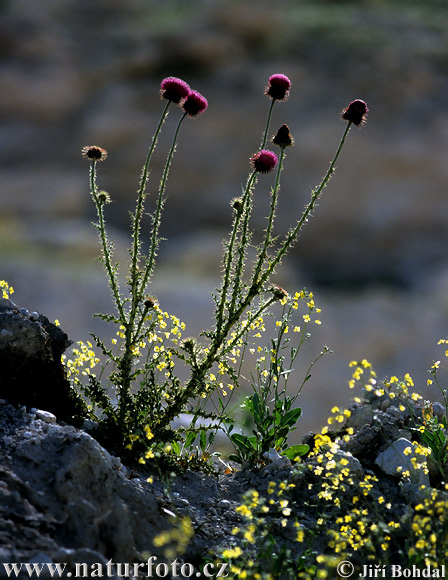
column 66, row 499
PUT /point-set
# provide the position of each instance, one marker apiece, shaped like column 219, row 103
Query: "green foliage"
column 434, row 435
column 270, row 408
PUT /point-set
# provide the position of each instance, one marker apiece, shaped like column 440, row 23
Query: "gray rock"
column 275, row 461
column 361, row 415
column 439, row 410
column 350, row 462
column 32, row 373
column 394, row 461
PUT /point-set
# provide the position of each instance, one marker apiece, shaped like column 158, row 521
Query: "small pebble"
column 45, row 416
column 224, row 504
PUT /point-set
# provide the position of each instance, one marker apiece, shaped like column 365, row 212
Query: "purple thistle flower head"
column 278, row 87
column 356, row 113
column 174, row 89
column 264, row 161
column 194, row 104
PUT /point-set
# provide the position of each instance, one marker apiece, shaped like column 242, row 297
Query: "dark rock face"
column 31, row 371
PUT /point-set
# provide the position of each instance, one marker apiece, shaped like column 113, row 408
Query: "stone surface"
column 32, row 373
column 394, row 460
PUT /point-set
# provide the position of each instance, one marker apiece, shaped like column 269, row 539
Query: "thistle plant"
column 138, row 393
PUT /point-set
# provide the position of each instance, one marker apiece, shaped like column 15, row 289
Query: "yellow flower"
column 148, row 433
column 244, row 511
column 248, row 536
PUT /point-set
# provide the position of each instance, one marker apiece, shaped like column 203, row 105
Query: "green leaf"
column 175, row 447
column 203, row 439
column 282, row 433
column 291, row 417
column 241, row 441
column 189, row 439
column 296, row 451
column 256, row 410
column 253, row 441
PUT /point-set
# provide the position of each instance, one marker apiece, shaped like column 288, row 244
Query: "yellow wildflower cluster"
column 6, row 289
column 396, row 387
column 339, row 416
column 256, row 531
column 361, row 368
column 443, row 341
column 332, row 470
column 161, row 326
column 430, row 529
column 393, row 387
column 176, row 539
column 82, row 362
column 304, row 295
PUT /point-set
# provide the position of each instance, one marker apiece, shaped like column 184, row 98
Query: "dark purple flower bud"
column 283, row 138
column 278, row 87
column 174, row 89
column 194, row 104
column 264, row 161
column 356, row 113
column 94, row 153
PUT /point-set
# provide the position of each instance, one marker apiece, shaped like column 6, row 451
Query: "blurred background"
column 374, row 254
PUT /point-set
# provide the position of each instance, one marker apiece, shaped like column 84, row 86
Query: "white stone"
column 45, row 416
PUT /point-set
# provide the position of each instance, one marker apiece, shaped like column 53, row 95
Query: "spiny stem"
column 268, row 122
column 229, row 255
column 246, row 211
column 129, row 323
column 199, row 373
column 137, row 217
column 154, row 244
column 268, row 234
column 137, row 292
column 253, row 317
column 294, row 232
column 106, row 247
column 244, row 241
